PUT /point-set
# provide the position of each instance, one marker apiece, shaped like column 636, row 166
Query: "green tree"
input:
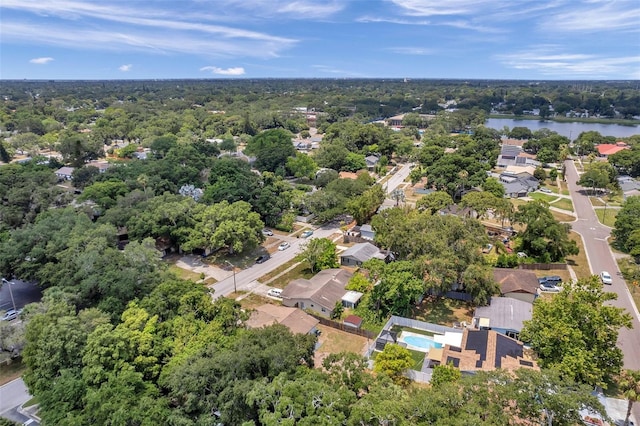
column 223, row 225
column 540, row 173
column 627, row 223
column 493, row 186
column 544, row 237
column 434, row 202
column 599, row 176
column 105, row 194
column 576, row 331
column 629, row 384
column 479, row 283
column 319, row 253
column 481, row 202
column 553, row 175
column 446, row 373
column 302, row 165
column 393, row 361
column 365, row 205
column 272, row 148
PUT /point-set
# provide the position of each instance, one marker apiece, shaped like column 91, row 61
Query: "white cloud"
column 609, row 16
column 419, row 51
column 41, row 61
column 222, row 71
column 448, row 7
column 125, row 68
column 140, row 28
column 549, row 60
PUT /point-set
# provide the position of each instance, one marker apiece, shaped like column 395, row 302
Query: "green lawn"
column 542, row 196
column 184, row 274
column 563, row 203
column 418, row 359
column 299, row 271
column 443, row 311
column 11, row 371
column 609, row 219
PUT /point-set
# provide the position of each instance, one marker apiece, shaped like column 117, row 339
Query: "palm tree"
column 629, row 383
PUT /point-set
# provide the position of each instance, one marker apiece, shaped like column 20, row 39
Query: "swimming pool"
column 418, row 342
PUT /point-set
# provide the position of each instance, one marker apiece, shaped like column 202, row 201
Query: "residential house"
column 320, row 293
column 64, row 173
column 372, row 162
column 360, row 253
column 518, row 183
column 101, row 165
column 517, row 284
column 294, row 319
column 359, row 234
column 454, row 209
column 629, row 186
column 504, row 315
column 483, row 350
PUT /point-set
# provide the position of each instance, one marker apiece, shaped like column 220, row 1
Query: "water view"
column 570, row 130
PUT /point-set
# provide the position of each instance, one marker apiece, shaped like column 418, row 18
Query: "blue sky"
column 466, row 39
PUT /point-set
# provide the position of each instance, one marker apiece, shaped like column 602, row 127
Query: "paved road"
column 12, row 395
column 22, row 291
column 245, row 280
column 595, row 236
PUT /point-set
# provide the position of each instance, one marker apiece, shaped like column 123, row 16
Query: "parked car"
column 307, row 233
column 550, row 287
column 283, row 246
column 546, row 190
column 551, row 280
column 275, row 292
column 487, row 248
column 267, row 232
column 11, row 314
column 522, row 254
column 606, row 278
column 263, row 258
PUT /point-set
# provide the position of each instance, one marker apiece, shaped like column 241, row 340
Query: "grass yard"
column 12, row 371
column 418, row 359
column 628, row 268
column 299, row 271
column 563, row 203
column 399, row 329
column 579, row 262
column 542, row 196
column 443, row 311
column 184, row 274
column 609, row 219
column 562, row 217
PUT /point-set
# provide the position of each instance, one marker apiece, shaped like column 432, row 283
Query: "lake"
column 570, row 130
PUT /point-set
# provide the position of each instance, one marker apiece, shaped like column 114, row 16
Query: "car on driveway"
column 275, row 292
column 550, row 287
column 551, row 279
column 605, row 277
column 267, row 232
column 283, row 246
column 487, row 248
column 546, row 190
column 307, row 233
column 263, row 258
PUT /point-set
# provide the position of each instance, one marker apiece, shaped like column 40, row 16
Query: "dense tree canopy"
column 575, row 332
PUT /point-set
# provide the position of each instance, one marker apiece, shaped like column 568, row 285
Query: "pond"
column 568, row 129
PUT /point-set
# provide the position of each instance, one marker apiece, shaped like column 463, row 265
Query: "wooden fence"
column 342, row 327
column 544, row 266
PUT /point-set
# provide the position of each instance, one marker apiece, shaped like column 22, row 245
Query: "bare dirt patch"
column 333, row 341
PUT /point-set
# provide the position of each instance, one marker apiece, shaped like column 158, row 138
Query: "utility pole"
column 233, row 268
column 9, row 283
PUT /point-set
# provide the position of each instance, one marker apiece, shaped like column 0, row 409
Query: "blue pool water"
column 421, row 342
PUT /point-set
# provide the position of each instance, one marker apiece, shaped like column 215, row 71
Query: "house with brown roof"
column 483, row 350
column 517, row 284
column 294, row 319
column 321, row 293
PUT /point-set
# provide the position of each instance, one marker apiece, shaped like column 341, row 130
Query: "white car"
column 606, row 278
column 275, row 292
column 283, row 246
column 10, row 315
column 546, row 190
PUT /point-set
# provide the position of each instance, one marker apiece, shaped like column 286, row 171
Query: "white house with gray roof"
column 360, row 253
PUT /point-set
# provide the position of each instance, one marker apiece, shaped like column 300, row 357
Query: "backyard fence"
column 340, row 326
column 543, row 266
column 420, row 325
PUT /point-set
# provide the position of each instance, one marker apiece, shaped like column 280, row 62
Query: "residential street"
column 594, row 236
column 245, row 280
column 12, row 396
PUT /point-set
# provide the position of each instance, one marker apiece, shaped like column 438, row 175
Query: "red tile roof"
column 608, row 148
